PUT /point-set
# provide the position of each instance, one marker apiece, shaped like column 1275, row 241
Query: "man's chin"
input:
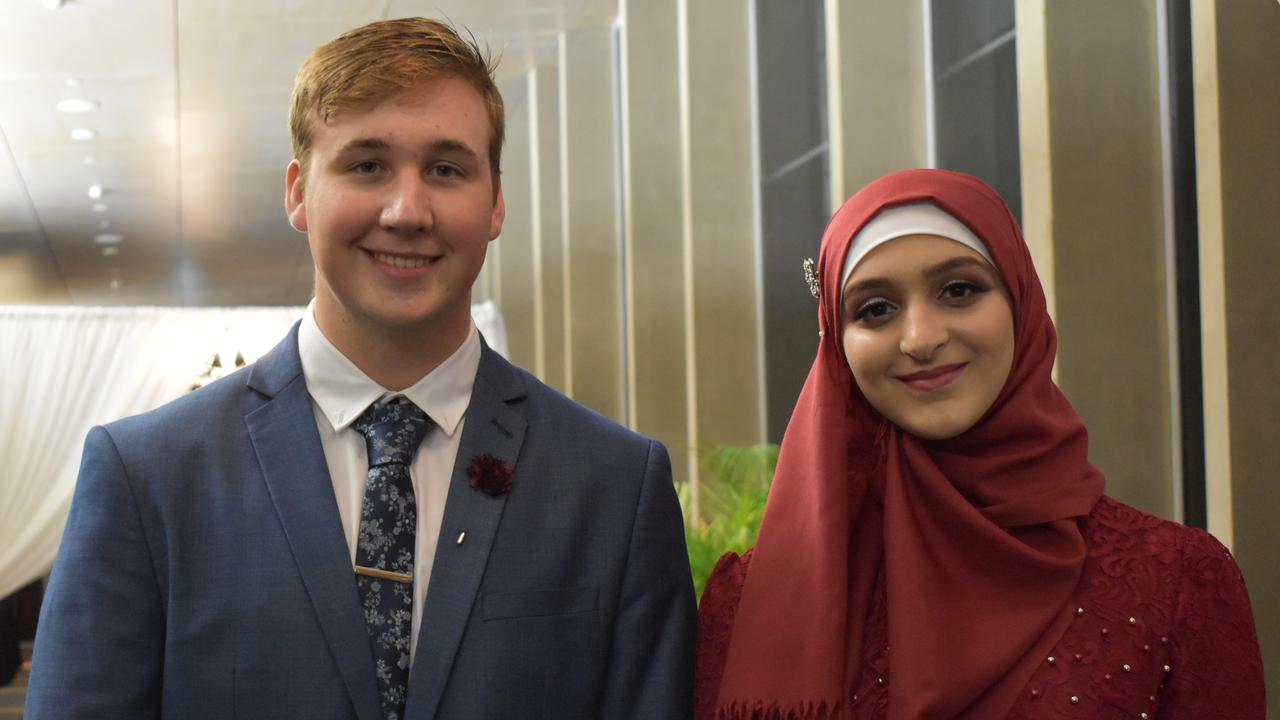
column 413, row 320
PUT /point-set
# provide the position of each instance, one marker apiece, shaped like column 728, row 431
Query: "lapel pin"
column 462, row 536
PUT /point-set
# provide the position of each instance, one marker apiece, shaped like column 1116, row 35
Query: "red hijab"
column 979, row 535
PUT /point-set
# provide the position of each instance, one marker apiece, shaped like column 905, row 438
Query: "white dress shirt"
column 340, row 392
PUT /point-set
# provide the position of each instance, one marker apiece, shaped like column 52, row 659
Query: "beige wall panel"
column 1033, row 142
column 29, row 272
column 726, row 326
column 1238, row 219
column 549, row 234
column 594, row 263
column 653, row 226
column 1108, row 239
column 513, row 250
column 876, row 92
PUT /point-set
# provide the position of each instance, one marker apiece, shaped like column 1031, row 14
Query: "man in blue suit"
column 381, row 518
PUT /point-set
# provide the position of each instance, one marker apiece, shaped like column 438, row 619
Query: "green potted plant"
column 733, row 488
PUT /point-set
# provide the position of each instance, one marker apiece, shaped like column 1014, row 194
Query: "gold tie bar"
column 384, row 574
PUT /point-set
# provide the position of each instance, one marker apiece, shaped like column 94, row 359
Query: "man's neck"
column 393, row 357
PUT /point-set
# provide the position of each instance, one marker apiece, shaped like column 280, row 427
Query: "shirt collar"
column 342, row 391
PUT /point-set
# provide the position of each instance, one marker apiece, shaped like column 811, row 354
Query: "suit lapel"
column 493, row 427
column 284, row 436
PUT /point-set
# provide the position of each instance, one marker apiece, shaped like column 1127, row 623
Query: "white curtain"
column 65, row 369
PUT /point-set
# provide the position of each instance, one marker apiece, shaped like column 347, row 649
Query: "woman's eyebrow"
column 957, row 263
column 866, row 285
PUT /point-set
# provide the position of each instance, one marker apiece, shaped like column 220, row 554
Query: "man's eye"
column 368, row 167
column 444, row 171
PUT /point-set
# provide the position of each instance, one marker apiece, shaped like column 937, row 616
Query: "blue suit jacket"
column 204, row 572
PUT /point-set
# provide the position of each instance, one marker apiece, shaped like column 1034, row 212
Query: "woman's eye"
column 961, row 290
column 873, row 310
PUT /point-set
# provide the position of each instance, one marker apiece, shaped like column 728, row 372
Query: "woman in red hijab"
column 936, row 543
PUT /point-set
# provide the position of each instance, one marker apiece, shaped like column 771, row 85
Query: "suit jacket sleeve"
column 100, row 645
column 651, row 669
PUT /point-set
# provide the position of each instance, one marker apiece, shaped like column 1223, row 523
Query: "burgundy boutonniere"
column 490, row 475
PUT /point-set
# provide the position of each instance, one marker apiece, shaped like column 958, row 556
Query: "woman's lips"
column 933, row 378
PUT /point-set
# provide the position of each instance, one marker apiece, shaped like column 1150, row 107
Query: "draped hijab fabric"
column 978, row 536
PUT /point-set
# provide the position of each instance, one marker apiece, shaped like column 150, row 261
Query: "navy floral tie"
column 384, row 551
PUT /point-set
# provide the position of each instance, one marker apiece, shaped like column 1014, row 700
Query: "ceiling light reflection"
column 83, row 134
column 77, row 105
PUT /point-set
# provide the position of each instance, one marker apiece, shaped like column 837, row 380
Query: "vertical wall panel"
column 1237, row 91
column 1108, row 238
column 549, row 235
column 1035, row 164
column 794, row 192
column 653, row 226
column 513, row 250
column 594, row 261
column 876, row 92
column 723, row 248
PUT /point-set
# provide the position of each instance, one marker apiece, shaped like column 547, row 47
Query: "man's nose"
column 923, row 332
column 407, row 209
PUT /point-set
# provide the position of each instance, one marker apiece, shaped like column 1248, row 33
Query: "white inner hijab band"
column 922, row 218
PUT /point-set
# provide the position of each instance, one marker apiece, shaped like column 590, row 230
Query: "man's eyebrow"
column 446, row 145
column 364, row 144
column 454, row 146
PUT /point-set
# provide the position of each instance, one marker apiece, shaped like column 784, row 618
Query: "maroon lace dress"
column 1163, row 629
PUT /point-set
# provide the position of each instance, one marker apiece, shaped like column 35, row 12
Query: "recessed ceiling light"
column 90, row 160
column 95, row 191
column 77, row 105
column 104, row 225
column 110, row 251
column 115, row 283
column 109, row 239
column 99, row 207
column 83, row 134
column 53, row 4
column 72, row 82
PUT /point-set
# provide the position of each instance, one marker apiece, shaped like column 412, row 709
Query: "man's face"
column 399, row 205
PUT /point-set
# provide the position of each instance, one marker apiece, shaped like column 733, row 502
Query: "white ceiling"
column 191, row 139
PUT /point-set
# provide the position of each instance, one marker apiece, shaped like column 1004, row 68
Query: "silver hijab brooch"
column 811, row 276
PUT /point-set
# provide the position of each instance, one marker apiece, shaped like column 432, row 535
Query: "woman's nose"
column 407, row 209
column 923, row 332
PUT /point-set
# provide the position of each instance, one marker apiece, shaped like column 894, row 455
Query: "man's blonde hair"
column 375, row 61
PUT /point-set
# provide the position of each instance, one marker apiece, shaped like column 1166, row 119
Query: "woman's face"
column 928, row 333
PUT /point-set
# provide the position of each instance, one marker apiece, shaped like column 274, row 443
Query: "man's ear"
column 499, row 211
column 293, row 205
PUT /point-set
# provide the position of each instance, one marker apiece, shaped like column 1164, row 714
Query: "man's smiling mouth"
column 401, row 261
